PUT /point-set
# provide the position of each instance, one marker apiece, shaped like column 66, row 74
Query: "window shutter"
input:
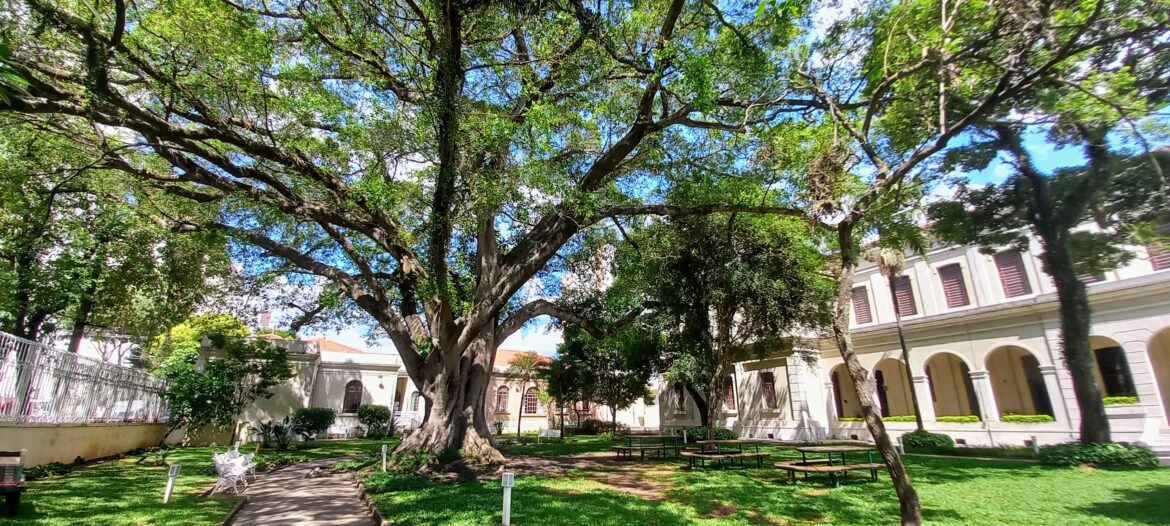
column 954, row 288
column 861, row 306
column 904, row 296
column 1159, row 254
column 1012, row 274
column 768, row 384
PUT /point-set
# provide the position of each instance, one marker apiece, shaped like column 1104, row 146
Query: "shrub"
column 282, row 433
column 959, row 419
column 700, row 433
column 899, row 418
column 1027, row 419
column 51, row 469
column 593, row 426
column 925, row 440
column 378, row 420
column 1119, row 400
column 267, row 462
column 311, row 421
column 1111, row 454
column 851, row 419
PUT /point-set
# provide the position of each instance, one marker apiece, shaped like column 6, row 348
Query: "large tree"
column 428, row 159
column 727, row 288
column 901, row 82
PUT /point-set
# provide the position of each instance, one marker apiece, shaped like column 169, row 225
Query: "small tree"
column 523, row 367
column 311, row 421
column 243, row 371
column 613, row 371
column 378, row 420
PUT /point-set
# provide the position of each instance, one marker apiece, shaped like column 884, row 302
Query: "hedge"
column 959, row 419
column 926, row 440
column 899, row 418
column 700, row 432
column 1119, row 400
column 851, row 419
column 1111, row 454
column 1027, row 419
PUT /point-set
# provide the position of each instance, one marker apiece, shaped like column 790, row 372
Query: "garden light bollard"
column 383, row 458
column 684, row 436
column 507, row 481
column 172, row 473
column 1035, row 446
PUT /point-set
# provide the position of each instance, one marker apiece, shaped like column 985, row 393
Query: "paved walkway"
column 286, row 497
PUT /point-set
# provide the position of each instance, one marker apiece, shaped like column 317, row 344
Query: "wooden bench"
column 821, row 466
column 662, row 450
column 720, row 458
column 12, row 479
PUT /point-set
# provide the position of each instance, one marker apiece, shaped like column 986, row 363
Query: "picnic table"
column 739, row 442
column 647, row 443
column 827, row 465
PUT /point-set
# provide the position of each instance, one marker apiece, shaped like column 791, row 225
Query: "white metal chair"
column 232, row 473
column 234, row 453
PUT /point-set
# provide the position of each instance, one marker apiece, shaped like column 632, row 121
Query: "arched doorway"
column 1159, row 350
column 1017, row 382
column 1111, row 368
column 893, row 388
column 951, row 390
column 844, row 395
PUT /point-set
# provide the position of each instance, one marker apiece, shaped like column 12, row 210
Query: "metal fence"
column 41, row 384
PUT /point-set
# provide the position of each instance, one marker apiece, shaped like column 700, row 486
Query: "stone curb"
column 371, row 506
column 235, row 511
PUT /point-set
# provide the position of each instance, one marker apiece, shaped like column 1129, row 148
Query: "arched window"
column 530, row 402
column 353, row 397
column 502, row 399
column 414, row 401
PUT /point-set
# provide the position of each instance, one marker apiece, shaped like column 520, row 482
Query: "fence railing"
column 44, row 385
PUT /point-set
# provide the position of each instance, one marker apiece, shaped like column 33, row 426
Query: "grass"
column 121, row 492
column 954, row 491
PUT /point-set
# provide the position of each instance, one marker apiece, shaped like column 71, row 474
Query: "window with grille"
column 1012, row 275
column 353, row 397
column 1115, row 372
column 768, row 384
column 729, row 392
column 953, row 285
column 904, row 296
column 414, row 401
column 502, row 399
column 530, row 402
column 861, row 310
column 1159, row 253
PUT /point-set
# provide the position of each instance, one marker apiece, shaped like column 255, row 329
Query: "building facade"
column 983, row 333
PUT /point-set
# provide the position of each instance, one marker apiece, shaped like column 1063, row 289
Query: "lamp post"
column 384, row 448
column 507, row 481
column 172, row 473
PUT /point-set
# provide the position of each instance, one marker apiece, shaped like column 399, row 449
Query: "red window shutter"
column 954, row 288
column 861, row 306
column 768, row 384
column 904, row 296
column 729, row 392
column 1159, row 254
column 1012, row 274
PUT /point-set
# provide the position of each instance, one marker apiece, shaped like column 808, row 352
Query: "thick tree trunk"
column 455, row 419
column 911, row 509
column 700, row 403
column 1075, row 320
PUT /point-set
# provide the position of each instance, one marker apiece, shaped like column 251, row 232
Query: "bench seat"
column 719, row 458
column 662, row 450
column 831, row 469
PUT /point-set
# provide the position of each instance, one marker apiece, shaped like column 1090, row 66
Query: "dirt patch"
column 724, row 510
column 645, row 480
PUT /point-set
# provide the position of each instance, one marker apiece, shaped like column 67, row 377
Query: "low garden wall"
column 65, row 442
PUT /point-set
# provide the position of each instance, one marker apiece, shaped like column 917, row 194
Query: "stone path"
column 286, row 497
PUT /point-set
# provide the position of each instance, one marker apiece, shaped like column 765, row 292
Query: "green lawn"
column 954, row 491
column 123, row 492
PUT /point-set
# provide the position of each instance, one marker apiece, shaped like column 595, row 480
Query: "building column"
column 1055, row 396
column 921, row 387
column 830, row 403
column 986, row 396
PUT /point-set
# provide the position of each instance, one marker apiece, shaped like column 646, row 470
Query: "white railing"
column 42, row 385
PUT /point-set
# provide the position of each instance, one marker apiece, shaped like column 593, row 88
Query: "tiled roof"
column 504, row 357
column 327, row 345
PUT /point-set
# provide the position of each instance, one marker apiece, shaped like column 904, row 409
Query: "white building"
column 983, row 335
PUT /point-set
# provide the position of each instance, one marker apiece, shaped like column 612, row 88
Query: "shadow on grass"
column 553, row 502
column 1137, row 505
